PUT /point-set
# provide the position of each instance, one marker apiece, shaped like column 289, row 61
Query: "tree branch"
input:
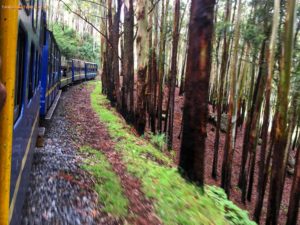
column 96, row 3
column 87, row 21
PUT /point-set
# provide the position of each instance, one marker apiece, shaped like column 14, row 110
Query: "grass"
column 176, row 201
column 158, row 140
column 107, row 185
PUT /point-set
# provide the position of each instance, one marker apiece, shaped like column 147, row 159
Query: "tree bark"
column 254, row 126
column 173, row 72
column 109, row 52
column 116, row 95
column 161, row 66
column 279, row 157
column 229, row 142
column 294, row 197
column 262, row 163
column 142, row 54
column 221, row 90
column 195, row 111
column 128, row 80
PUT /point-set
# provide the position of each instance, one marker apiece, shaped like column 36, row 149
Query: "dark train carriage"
column 78, row 70
column 19, row 118
column 66, row 72
column 51, row 73
column 91, row 70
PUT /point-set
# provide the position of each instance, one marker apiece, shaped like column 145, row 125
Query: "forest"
column 217, row 82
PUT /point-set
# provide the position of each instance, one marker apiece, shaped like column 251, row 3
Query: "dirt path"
column 94, row 133
column 59, row 190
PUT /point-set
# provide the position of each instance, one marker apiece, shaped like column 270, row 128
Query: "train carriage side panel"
column 26, row 101
column 91, row 70
column 8, row 69
column 78, row 70
column 44, row 77
column 66, row 75
column 50, row 73
column 82, row 70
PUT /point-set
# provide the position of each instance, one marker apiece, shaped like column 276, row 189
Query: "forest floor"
column 94, row 169
column 235, row 192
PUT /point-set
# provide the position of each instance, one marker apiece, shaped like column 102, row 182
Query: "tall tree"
column 162, row 59
column 128, row 80
column 220, row 91
column 103, row 47
column 262, row 164
column 229, row 142
column 109, row 50
column 195, row 110
column 142, row 60
column 280, row 154
column 173, row 72
column 116, row 95
column 153, row 72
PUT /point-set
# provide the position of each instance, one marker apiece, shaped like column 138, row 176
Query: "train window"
column 31, row 72
column 45, row 34
column 50, row 63
column 20, row 64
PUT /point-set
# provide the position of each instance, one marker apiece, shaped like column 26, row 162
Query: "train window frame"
column 31, row 73
column 22, row 45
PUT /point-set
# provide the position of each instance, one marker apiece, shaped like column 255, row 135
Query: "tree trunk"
column 154, row 76
column 279, row 157
column 128, row 80
column 254, row 126
column 229, row 142
column 173, row 72
column 192, row 155
column 150, row 78
column 294, row 197
column 182, row 78
column 142, row 54
column 109, row 52
column 161, row 66
column 265, row 128
column 103, row 48
column 220, row 94
column 116, row 95
column 296, row 134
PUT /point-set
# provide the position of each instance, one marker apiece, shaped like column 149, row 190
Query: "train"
column 33, row 72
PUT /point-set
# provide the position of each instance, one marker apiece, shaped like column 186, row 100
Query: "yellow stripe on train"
column 14, row 198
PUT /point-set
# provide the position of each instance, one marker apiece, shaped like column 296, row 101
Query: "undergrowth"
column 176, row 201
column 108, row 186
column 158, row 140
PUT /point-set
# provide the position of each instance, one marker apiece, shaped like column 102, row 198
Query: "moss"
column 176, row 201
column 107, row 185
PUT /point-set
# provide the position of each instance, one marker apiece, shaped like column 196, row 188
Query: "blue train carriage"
column 21, row 25
column 51, row 75
column 91, row 70
column 66, row 72
column 78, row 70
